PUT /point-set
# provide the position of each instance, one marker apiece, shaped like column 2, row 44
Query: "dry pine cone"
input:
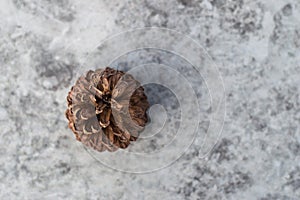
column 107, row 109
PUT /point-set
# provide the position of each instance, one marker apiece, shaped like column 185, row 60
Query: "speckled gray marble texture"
column 255, row 43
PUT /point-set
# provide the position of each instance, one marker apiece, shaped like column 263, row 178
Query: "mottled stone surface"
column 255, row 43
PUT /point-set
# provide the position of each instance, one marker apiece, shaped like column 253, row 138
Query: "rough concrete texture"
column 255, row 43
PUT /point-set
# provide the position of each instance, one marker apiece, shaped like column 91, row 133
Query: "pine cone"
column 106, row 114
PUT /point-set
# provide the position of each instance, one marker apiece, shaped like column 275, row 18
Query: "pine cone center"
column 107, row 99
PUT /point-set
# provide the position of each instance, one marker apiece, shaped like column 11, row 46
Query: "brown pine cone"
column 107, row 109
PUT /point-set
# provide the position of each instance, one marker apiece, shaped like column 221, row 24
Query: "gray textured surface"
column 255, row 43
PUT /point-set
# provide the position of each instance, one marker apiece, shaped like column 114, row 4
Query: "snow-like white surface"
column 256, row 46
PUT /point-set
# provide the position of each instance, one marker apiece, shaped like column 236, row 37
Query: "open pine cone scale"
column 107, row 109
